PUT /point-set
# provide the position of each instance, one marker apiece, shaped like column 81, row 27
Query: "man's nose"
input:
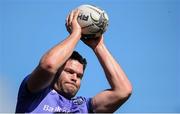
column 74, row 77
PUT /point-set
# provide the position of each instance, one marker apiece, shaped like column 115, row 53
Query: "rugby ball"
column 93, row 20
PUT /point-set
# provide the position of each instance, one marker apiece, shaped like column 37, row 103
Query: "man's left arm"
column 110, row 100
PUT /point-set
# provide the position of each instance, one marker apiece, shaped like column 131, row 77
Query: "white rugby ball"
column 93, row 20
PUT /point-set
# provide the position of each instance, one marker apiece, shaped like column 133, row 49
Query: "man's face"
column 69, row 79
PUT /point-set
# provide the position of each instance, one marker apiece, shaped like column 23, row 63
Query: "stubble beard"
column 68, row 91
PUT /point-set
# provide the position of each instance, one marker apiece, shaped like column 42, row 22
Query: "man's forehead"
column 75, row 64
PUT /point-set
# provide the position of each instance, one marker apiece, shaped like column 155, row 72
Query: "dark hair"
column 76, row 56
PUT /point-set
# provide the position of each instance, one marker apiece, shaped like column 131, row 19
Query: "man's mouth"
column 72, row 84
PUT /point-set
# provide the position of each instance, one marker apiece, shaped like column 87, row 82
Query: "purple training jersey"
column 49, row 101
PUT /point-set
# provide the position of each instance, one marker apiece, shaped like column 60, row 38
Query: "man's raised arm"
column 111, row 99
column 49, row 64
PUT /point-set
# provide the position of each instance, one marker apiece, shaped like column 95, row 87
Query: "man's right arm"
column 49, row 64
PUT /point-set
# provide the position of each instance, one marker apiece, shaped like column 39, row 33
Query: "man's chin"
column 70, row 92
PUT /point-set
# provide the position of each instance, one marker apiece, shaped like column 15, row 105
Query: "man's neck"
column 66, row 96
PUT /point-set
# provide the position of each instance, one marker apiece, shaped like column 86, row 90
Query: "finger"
column 70, row 17
column 76, row 13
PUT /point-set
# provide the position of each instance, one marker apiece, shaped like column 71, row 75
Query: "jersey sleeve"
column 89, row 105
column 24, row 91
column 25, row 97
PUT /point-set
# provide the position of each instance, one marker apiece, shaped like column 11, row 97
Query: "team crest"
column 78, row 101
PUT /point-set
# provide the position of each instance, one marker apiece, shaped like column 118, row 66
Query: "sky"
column 143, row 36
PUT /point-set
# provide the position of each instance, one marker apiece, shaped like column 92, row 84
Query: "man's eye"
column 79, row 76
column 69, row 72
